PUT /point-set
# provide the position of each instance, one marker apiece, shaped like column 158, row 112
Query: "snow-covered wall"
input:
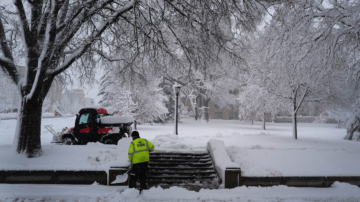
column 220, row 157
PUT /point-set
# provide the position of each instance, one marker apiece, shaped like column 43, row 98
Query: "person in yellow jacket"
column 139, row 157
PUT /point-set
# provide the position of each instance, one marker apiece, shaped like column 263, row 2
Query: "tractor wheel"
column 109, row 141
column 68, row 141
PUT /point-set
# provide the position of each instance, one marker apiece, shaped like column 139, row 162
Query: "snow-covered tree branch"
column 52, row 36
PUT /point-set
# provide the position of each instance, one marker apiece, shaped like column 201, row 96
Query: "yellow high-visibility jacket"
column 139, row 150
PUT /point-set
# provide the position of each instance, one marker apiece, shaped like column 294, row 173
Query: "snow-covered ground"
column 319, row 151
column 95, row 193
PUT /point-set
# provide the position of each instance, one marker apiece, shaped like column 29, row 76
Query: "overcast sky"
column 4, row 2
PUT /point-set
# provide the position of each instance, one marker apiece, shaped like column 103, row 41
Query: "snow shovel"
column 121, row 178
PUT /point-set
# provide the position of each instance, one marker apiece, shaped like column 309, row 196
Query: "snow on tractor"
column 94, row 125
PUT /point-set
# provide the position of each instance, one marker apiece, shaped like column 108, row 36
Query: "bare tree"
column 47, row 29
column 334, row 34
column 56, row 35
column 141, row 97
column 205, row 53
column 255, row 102
column 288, row 61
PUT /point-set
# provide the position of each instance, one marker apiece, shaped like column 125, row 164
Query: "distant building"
column 226, row 113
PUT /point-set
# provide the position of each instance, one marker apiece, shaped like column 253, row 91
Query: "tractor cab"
column 86, row 126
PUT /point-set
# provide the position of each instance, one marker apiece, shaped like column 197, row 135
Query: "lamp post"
column 177, row 92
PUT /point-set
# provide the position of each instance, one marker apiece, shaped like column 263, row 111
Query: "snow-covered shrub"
column 353, row 127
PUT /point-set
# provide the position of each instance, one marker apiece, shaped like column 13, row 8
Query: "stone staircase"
column 192, row 171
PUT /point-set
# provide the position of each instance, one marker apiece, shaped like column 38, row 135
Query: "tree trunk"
column 28, row 129
column 294, row 119
column 176, row 117
column 196, row 113
column 264, row 122
column 200, row 105
column 206, row 109
column 197, row 108
column 252, row 122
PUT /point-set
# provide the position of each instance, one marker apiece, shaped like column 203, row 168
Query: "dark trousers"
column 138, row 172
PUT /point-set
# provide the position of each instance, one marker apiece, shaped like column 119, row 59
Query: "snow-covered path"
column 81, row 193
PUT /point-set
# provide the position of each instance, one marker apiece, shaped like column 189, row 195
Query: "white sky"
column 5, row 2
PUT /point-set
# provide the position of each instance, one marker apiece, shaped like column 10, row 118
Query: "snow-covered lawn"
column 6, row 116
column 319, row 151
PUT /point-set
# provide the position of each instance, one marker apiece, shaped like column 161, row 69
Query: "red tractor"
column 95, row 125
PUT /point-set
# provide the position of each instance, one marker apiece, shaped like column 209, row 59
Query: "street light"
column 177, row 92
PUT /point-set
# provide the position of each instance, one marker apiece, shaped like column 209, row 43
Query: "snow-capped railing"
column 229, row 171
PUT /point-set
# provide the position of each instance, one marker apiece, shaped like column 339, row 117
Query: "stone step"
column 178, row 154
column 180, row 160
column 183, row 174
column 183, row 177
column 180, row 157
column 185, row 164
column 181, row 168
column 180, row 181
column 189, row 170
column 179, row 172
column 191, row 187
